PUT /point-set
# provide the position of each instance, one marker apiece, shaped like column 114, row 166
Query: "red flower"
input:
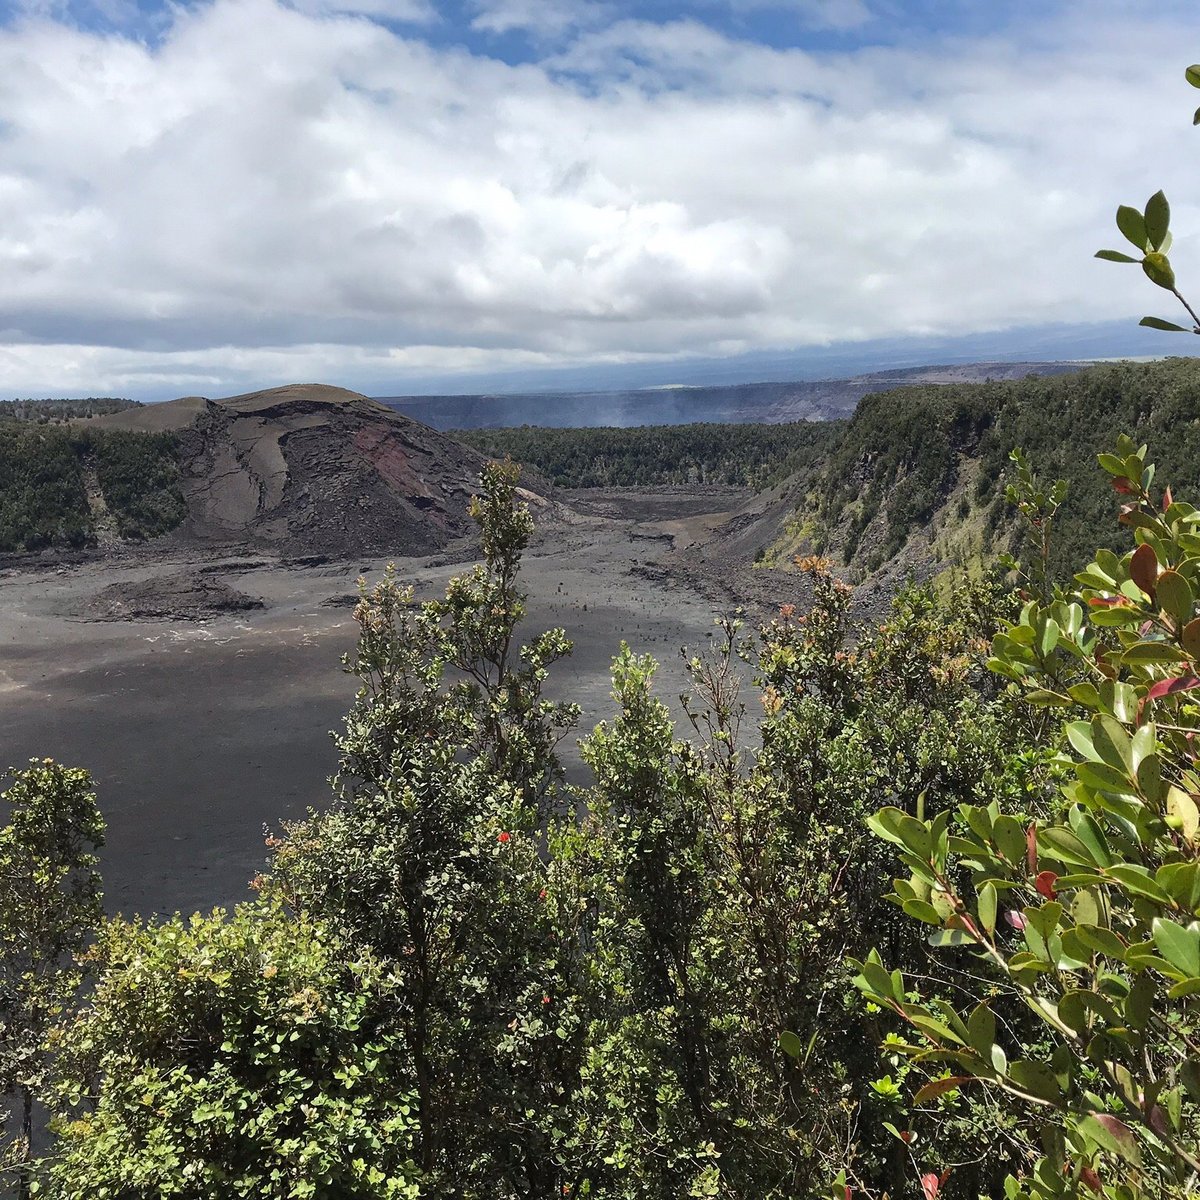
column 542, row 894
column 545, row 999
column 504, row 837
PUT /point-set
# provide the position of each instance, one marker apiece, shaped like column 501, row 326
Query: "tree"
column 49, row 905
column 434, row 858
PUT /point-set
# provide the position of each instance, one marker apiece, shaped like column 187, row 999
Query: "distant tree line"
column 755, row 456
column 48, row 410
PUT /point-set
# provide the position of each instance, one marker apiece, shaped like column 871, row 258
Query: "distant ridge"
column 738, row 403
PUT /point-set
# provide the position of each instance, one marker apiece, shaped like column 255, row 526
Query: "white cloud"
column 413, row 12
column 541, row 18
column 818, row 14
column 267, row 187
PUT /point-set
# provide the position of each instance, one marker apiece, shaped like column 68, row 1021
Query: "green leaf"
column 1175, row 596
column 1142, row 654
column 1192, row 75
column 1009, row 838
column 981, row 1029
column 1102, row 940
column 1088, row 830
column 1034, row 1078
column 1112, row 743
column 922, row 911
column 986, row 906
column 1182, row 813
column 939, row 1087
column 1182, row 881
column 1157, row 219
column 1189, row 1075
column 1157, row 268
column 1132, row 225
column 1159, row 323
column 950, row 937
column 1137, row 880
column 1178, row 945
column 1115, row 256
column 790, row 1044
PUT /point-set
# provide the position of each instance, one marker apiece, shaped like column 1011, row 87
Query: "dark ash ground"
column 203, row 726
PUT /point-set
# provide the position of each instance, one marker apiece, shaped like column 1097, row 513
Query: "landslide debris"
column 311, row 469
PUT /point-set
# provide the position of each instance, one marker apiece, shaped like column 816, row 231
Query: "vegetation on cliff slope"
column 933, row 459
column 47, row 471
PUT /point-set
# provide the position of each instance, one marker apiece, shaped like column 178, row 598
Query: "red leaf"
column 930, row 1186
column 1015, row 919
column 1045, row 884
column 1167, row 501
column 1031, row 847
column 1143, row 568
column 1122, row 487
column 1168, row 687
column 1107, row 601
column 1090, row 1177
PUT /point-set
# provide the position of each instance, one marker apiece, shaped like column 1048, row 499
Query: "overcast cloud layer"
column 245, row 192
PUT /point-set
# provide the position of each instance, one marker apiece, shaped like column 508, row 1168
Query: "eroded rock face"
column 314, row 469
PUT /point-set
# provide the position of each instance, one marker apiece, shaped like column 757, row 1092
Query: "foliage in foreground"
column 234, row 1055
column 49, row 903
column 1084, row 926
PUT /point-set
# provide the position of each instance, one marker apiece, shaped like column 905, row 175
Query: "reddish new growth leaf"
column 1107, row 601
column 932, row 1184
column 1167, row 501
column 1031, row 857
column 1143, row 568
column 1089, row 1176
column 1045, row 884
column 1123, row 487
column 1168, row 687
column 1015, row 919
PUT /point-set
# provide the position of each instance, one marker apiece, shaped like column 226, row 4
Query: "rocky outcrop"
column 314, row 469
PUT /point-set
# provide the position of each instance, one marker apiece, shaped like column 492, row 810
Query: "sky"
column 407, row 196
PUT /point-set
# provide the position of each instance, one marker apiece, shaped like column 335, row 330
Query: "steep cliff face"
column 313, row 469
